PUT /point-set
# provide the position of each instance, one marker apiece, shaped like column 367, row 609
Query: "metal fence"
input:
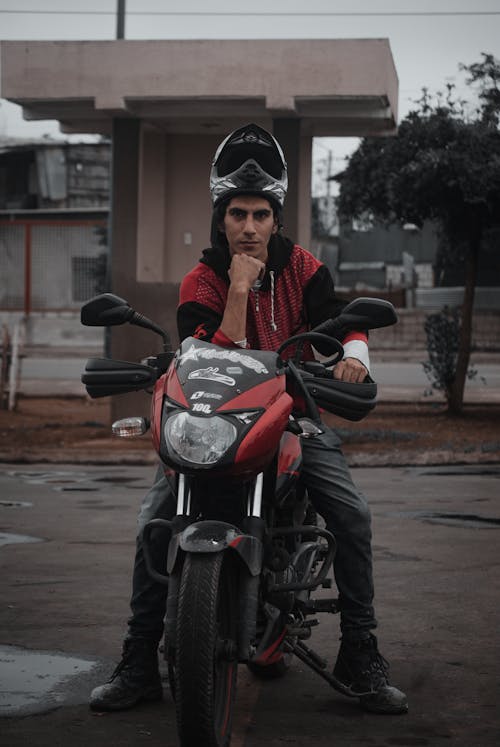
column 51, row 265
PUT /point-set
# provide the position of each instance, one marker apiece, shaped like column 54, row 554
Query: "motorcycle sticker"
column 231, row 356
column 201, row 407
column 212, row 374
column 206, row 395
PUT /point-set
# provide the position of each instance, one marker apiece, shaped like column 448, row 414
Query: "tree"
column 444, row 166
column 487, row 74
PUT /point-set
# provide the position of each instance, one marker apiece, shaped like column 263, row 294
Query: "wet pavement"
column 36, row 682
column 15, row 539
column 65, row 605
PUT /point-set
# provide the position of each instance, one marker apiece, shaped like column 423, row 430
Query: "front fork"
column 213, row 536
column 248, row 543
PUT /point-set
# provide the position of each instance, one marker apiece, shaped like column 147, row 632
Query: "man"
column 252, row 289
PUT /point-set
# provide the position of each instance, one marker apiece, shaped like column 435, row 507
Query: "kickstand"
column 317, row 664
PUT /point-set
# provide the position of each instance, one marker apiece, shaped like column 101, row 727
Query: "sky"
column 428, row 38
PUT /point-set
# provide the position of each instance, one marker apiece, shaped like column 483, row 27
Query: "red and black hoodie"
column 297, row 293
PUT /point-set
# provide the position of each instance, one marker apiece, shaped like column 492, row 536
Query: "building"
column 54, row 209
column 167, row 104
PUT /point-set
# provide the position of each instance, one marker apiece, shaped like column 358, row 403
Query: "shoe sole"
column 381, row 709
column 151, row 697
column 364, row 698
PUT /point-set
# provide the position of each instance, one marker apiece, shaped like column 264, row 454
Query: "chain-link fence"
column 51, row 265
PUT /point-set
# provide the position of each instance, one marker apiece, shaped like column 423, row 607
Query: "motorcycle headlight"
column 199, row 440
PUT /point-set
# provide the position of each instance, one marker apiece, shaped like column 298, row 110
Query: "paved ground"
column 66, row 544
column 436, row 561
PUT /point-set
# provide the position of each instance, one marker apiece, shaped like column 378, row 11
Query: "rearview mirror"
column 106, row 310
column 367, row 313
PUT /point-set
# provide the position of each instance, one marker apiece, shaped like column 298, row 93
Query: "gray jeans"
column 333, row 494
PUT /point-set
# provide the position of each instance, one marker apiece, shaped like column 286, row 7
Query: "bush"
column 443, row 332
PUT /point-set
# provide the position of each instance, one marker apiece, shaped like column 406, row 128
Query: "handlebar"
column 329, row 327
column 315, row 336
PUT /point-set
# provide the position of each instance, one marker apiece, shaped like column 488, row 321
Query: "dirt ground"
column 67, row 429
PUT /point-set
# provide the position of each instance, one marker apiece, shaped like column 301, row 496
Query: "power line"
column 336, row 14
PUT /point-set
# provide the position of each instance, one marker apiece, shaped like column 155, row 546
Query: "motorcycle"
column 245, row 553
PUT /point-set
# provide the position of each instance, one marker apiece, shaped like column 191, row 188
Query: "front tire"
column 206, row 650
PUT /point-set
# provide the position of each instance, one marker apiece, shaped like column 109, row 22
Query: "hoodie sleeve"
column 201, row 307
column 196, row 320
column 320, row 299
column 322, row 303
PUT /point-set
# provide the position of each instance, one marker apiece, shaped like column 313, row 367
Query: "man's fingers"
column 246, row 268
column 350, row 370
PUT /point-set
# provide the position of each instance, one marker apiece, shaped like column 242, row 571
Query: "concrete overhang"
column 337, row 87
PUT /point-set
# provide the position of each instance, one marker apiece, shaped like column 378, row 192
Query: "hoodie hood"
column 279, row 252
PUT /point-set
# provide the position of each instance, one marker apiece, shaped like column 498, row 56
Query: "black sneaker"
column 361, row 672
column 135, row 679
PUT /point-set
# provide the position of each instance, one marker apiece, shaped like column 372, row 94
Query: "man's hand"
column 245, row 270
column 243, row 273
column 350, row 369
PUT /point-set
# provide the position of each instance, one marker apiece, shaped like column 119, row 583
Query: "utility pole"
column 120, row 34
column 120, row 19
column 328, row 180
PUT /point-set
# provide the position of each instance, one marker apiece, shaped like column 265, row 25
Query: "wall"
column 174, row 207
column 56, row 329
column 88, row 174
column 187, row 206
column 63, row 257
column 47, row 176
column 387, row 244
column 409, row 334
column 63, row 329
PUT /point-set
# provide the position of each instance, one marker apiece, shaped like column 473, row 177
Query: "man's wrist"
column 359, row 350
column 240, row 288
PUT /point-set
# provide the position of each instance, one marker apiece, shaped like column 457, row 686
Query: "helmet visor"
column 249, row 161
column 250, row 142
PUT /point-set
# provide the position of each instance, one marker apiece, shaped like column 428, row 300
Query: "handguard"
column 343, row 398
column 104, row 377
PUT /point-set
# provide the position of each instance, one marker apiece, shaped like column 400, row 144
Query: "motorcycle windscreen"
column 211, row 376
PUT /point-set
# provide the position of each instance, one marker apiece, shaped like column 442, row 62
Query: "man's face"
column 248, row 224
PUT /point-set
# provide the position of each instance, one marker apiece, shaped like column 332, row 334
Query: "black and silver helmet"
column 249, row 161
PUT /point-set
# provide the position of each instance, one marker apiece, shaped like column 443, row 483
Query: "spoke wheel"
column 205, row 657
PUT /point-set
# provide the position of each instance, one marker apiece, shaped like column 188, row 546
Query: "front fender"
column 217, row 536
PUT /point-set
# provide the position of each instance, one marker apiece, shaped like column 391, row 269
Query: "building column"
column 287, row 133
column 298, row 155
column 157, row 300
column 124, row 341
column 124, row 206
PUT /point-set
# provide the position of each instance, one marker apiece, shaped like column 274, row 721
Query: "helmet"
column 249, row 161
